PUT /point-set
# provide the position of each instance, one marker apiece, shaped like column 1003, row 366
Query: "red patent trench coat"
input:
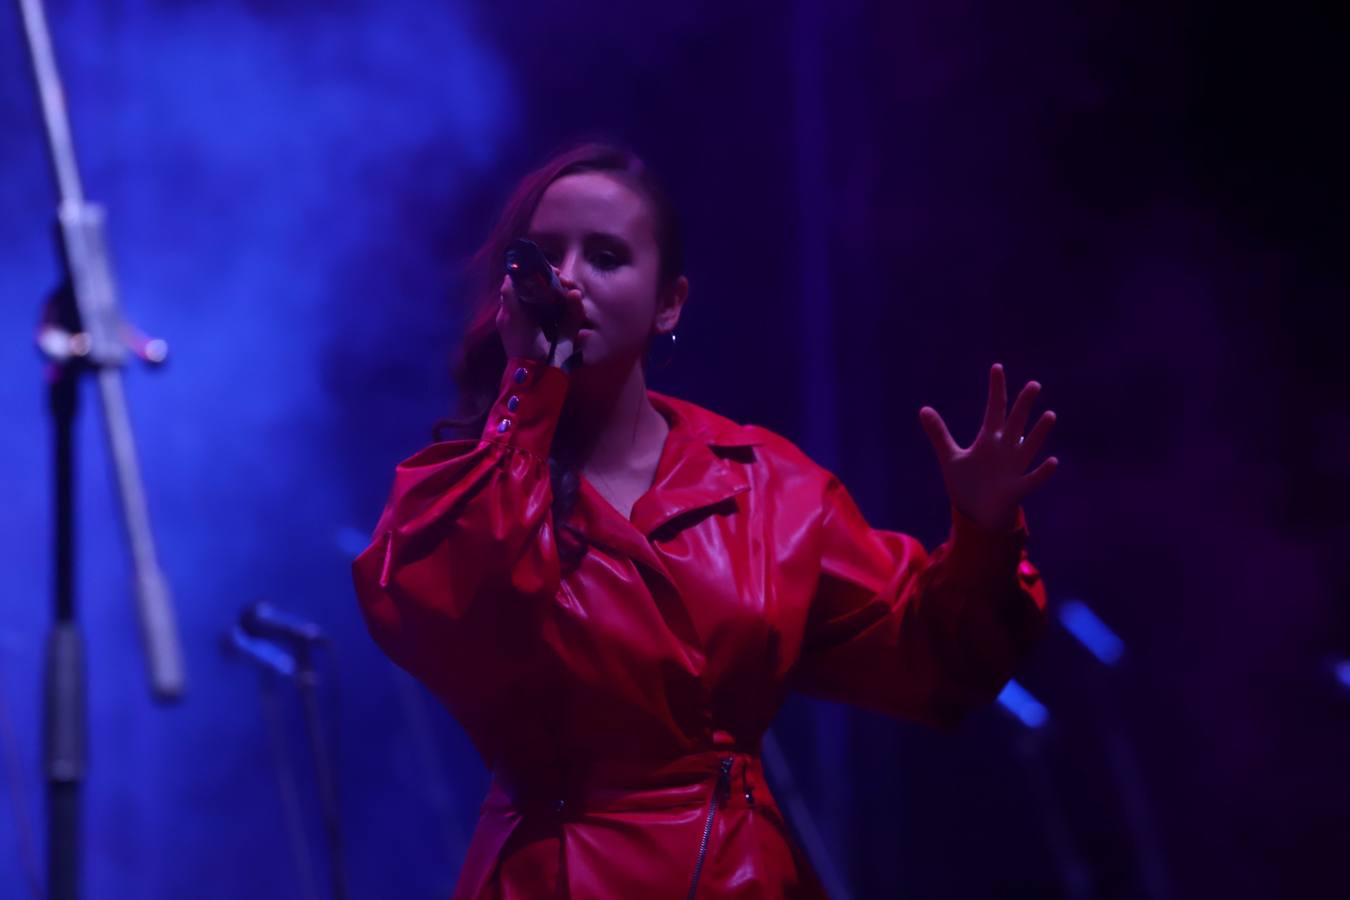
column 620, row 704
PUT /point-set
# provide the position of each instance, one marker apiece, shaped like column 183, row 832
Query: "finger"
column 998, row 400
column 576, row 313
column 1017, row 419
column 1040, row 475
column 937, row 432
column 1032, row 445
column 567, row 283
column 507, row 294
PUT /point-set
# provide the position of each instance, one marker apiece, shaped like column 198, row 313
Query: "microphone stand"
column 277, row 665
column 1102, row 682
column 82, row 331
column 260, row 628
column 1036, row 729
column 307, row 683
column 1074, row 875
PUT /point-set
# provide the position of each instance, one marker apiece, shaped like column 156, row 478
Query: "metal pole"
column 82, row 330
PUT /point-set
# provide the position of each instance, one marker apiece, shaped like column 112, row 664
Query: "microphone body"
column 537, row 285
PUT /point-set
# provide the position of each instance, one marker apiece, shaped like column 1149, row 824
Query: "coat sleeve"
column 465, row 547
column 921, row 636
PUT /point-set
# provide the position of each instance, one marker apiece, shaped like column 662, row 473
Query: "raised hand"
column 986, row 480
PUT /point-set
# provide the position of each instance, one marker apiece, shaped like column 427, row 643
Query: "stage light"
column 1026, row 708
column 1091, row 631
column 1340, row 670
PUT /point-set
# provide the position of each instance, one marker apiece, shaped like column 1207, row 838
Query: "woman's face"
column 599, row 234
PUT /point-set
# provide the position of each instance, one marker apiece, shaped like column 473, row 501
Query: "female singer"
column 613, row 589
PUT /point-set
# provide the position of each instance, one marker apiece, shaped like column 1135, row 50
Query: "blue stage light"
column 1018, row 701
column 1091, row 631
column 1340, row 668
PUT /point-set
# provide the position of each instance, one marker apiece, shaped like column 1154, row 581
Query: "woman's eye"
column 605, row 259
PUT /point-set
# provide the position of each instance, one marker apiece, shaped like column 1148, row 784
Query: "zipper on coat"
column 723, row 785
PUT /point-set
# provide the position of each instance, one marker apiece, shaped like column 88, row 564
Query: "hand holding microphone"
column 540, row 313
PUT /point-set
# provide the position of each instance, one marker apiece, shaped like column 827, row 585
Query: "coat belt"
column 680, row 783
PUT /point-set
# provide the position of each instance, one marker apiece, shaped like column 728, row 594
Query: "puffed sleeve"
column 465, row 546
column 921, row 636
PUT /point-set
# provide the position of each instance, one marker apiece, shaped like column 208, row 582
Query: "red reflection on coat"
column 619, row 704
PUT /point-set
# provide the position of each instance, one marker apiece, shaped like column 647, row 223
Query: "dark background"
column 1141, row 206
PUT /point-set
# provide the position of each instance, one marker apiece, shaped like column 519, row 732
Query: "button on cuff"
column 528, row 406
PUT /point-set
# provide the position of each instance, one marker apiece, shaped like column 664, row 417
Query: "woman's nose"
column 567, row 271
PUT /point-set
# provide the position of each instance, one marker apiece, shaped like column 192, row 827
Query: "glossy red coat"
column 605, row 698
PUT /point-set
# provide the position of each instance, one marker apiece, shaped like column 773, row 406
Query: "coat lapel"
column 690, row 476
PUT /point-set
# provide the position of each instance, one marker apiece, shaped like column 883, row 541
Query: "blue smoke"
column 256, row 162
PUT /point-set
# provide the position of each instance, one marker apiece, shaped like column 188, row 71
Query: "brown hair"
column 481, row 359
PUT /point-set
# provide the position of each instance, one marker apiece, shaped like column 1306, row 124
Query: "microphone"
column 537, row 285
column 263, row 620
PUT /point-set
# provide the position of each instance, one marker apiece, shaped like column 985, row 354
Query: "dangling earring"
column 660, row 359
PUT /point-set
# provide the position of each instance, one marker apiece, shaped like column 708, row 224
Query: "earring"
column 661, row 358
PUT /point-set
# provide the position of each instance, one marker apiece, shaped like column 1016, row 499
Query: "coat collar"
column 691, row 475
column 696, row 422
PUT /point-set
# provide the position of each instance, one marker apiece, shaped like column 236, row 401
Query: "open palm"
column 987, row 481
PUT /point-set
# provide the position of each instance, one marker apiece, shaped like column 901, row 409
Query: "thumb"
column 937, row 432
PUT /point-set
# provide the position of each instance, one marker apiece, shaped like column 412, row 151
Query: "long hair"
column 481, row 359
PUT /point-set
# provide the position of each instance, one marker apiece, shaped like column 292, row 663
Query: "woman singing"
column 613, row 589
